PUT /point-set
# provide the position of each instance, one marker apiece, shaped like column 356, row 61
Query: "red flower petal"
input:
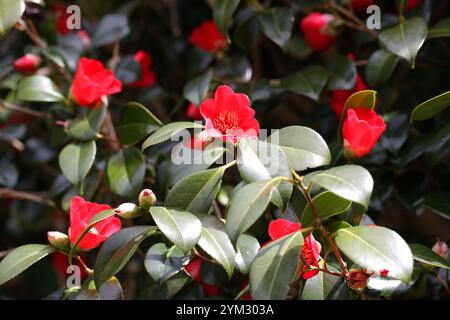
column 281, row 227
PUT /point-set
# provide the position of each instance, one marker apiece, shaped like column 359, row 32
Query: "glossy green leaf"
column 167, row 131
column 376, row 249
column 247, row 249
column 111, row 290
column 136, row 123
column 321, row 286
column 350, row 182
column 39, row 88
column 248, row 205
column 428, row 256
column 380, row 67
column 75, row 160
column 438, row 202
column 308, row 152
column 277, row 23
column 405, row 39
column 117, row 250
column 125, row 172
column 261, row 161
column 196, row 89
column 10, row 13
column 431, row 108
column 196, row 192
column 222, row 13
column 162, row 262
column 342, row 73
column 21, row 258
column 309, row 82
column 327, row 205
column 112, row 28
column 440, row 29
column 180, row 227
column 274, row 268
column 87, row 127
column 215, row 242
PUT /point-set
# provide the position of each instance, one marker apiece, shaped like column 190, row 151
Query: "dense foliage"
column 159, row 149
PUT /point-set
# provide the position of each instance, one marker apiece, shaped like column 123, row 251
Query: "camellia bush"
column 174, row 149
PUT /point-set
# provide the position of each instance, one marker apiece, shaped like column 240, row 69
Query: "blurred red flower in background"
column 319, row 30
column 194, row 268
column 148, row 77
column 27, row 63
column 208, row 37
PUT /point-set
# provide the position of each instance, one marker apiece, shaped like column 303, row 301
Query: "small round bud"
column 441, row 249
column 147, row 199
column 59, row 240
column 357, row 279
column 128, row 211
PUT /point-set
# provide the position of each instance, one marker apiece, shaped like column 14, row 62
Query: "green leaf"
column 117, row 250
column 376, row 249
column 193, row 160
column 350, row 182
column 440, row 29
column 405, row 39
column 247, row 249
column 180, row 227
column 125, row 172
column 102, row 215
column 21, row 258
column 87, row 127
column 342, row 74
column 248, row 205
column 380, row 67
column 321, row 286
column 261, row 161
column 222, row 13
column 110, row 29
column 431, row 108
column 309, row 152
column 162, row 262
column 308, row 82
column 10, row 13
column 437, row 202
column 39, row 88
column 428, row 256
column 327, row 205
column 215, row 242
column 276, row 24
column 167, row 289
column 196, row 192
column 168, row 131
column 274, row 268
column 196, row 89
column 75, row 160
column 111, row 290
column 136, row 123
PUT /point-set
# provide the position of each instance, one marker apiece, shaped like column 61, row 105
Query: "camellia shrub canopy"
column 234, row 149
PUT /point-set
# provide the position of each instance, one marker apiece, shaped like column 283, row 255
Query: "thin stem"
column 110, row 132
column 320, row 227
column 22, row 195
column 443, row 283
column 13, row 107
column 324, row 270
column 242, row 293
column 359, row 24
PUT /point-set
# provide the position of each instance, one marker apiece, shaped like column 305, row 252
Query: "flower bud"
column 128, row 211
column 441, row 249
column 58, row 240
column 27, row 63
column 357, row 279
column 147, row 199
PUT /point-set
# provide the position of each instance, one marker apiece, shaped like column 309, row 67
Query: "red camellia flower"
column 148, row 77
column 81, row 213
column 27, row 63
column 411, row 4
column 193, row 268
column 208, row 37
column 193, row 112
column 318, row 30
column 229, row 116
column 339, row 97
column 310, row 252
column 93, row 81
column 360, row 6
column 361, row 131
